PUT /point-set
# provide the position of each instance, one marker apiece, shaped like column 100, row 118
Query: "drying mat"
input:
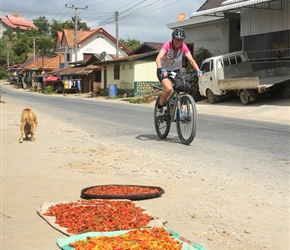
column 155, row 222
column 63, row 243
column 115, row 191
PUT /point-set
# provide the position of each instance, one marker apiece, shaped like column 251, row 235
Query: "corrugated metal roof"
column 231, row 2
column 228, row 7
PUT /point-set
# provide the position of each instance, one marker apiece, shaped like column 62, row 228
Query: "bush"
column 199, row 56
column 48, row 90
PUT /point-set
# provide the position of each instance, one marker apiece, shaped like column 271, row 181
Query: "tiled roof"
column 83, row 70
column 129, row 57
column 83, row 35
column 47, row 62
column 20, row 22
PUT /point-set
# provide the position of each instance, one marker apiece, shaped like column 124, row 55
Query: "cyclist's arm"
column 160, row 55
column 193, row 64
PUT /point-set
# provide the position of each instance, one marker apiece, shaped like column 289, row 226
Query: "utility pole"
column 7, row 49
column 76, row 26
column 117, row 34
column 36, row 37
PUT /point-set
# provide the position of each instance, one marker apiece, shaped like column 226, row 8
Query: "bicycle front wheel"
column 186, row 119
column 162, row 123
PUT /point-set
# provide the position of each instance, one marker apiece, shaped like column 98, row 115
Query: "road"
column 236, row 165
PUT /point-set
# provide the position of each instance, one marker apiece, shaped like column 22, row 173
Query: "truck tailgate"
column 239, row 83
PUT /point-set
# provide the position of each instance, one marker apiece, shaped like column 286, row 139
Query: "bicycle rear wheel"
column 186, row 119
column 162, row 123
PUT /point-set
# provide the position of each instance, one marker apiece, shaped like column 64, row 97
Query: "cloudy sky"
column 143, row 20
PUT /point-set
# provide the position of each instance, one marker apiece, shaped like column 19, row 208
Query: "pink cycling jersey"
column 169, row 61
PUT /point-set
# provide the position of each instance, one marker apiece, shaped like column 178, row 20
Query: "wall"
column 264, row 20
column 213, row 36
column 2, row 28
column 130, row 72
column 145, row 71
column 97, row 45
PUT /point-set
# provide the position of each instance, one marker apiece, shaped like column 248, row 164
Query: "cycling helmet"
column 179, row 33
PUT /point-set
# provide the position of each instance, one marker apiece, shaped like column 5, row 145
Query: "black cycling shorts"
column 161, row 77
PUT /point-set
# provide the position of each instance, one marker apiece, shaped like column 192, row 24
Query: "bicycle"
column 180, row 108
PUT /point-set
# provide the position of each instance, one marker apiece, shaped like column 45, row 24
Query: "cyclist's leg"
column 167, row 89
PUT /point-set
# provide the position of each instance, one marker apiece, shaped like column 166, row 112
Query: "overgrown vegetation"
column 48, row 90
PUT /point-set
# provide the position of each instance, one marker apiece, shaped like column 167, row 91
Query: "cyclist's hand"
column 164, row 73
column 199, row 73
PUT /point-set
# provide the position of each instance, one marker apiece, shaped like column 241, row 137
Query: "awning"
column 51, row 79
column 237, row 5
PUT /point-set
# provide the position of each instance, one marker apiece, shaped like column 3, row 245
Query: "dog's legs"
column 22, row 132
column 33, row 129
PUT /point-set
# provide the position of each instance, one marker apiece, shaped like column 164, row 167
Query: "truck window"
column 233, row 60
column 207, row 66
column 226, row 62
column 239, row 59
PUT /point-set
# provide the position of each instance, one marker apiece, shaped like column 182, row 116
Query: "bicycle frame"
column 180, row 108
column 176, row 105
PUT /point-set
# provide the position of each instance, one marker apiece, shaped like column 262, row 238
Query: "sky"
column 143, row 20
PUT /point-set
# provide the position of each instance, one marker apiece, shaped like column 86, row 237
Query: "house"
column 134, row 73
column 84, row 71
column 13, row 22
column 77, row 63
column 260, row 27
column 89, row 42
column 34, row 70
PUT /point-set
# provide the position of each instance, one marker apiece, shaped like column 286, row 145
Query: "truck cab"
column 218, row 68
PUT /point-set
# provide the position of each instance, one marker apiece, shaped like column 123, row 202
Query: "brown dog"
column 28, row 124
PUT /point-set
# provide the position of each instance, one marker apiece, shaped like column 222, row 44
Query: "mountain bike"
column 180, row 108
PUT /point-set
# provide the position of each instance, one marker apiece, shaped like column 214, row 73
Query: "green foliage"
column 69, row 24
column 199, row 55
column 135, row 100
column 48, row 90
column 131, row 43
column 42, row 25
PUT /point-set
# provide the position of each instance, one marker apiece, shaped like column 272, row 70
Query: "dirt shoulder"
column 63, row 160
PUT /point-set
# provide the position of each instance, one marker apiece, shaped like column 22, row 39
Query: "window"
column 207, row 66
column 232, row 60
column 68, row 57
column 116, row 71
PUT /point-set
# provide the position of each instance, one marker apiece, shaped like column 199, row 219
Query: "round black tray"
column 128, row 197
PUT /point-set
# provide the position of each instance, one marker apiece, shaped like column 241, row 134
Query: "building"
column 89, row 42
column 260, row 27
column 13, row 22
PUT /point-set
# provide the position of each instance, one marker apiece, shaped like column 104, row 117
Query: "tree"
column 20, row 49
column 42, row 25
column 131, row 43
column 68, row 24
column 45, row 46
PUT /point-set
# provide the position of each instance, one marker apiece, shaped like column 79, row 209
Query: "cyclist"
column 168, row 59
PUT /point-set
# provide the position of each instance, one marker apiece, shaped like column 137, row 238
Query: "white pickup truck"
column 233, row 73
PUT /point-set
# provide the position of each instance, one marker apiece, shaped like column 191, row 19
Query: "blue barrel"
column 116, row 89
column 113, row 90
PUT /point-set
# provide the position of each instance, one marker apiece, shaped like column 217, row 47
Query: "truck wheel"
column 210, row 96
column 244, row 97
